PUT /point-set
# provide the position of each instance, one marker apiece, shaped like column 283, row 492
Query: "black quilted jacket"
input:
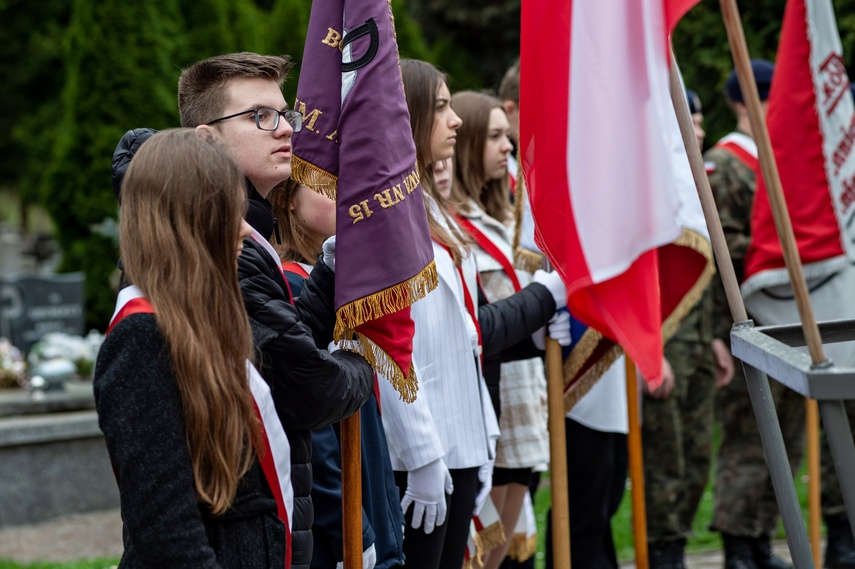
column 311, row 387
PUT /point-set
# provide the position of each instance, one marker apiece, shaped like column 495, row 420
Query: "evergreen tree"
column 119, row 61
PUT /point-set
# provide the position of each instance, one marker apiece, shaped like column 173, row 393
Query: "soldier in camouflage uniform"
column 677, row 434
column 677, row 424
column 746, row 512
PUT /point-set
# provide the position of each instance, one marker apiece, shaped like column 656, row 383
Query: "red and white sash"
column 274, row 456
column 486, row 243
column 743, row 147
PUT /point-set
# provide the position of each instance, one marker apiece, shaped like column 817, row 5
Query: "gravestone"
column 32, row 306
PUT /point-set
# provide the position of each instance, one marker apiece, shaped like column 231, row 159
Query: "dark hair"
column 297, row 244
column 421, row 82
column 470, row 180
column 509, row 88
column 201, row 88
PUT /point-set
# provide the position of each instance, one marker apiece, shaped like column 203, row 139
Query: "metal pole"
column 779, row 466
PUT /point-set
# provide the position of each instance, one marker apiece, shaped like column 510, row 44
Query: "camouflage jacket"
column 697, row 326
column 733, row 184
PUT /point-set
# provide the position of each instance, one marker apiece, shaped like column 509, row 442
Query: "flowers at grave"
column 12, row 365
column 79, row 350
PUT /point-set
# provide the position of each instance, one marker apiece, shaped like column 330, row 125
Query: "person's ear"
column 509, row 106
column 207, row 132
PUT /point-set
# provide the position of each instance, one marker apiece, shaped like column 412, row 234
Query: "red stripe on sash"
column 742, row 154
column 485, row 243
column 269, row 469
column 467, row 298
column 134, row 306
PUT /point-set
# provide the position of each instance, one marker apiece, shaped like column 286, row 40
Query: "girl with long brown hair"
column 480, row 197
column 200, row 457
column 443, row 457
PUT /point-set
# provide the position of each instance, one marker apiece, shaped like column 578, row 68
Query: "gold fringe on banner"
column 529, row 261
column 524, row 259
column 406, row 385
column 589, row 379
column 519, row 199
column 522, row 546
column 387, row 301
column 699, row 243
column 318, row 179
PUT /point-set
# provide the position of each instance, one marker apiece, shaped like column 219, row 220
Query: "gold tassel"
column 387, row 301
column 317, row 178
column 492, row 536
column 699, row 243
column 522, row 546
column 406, row 385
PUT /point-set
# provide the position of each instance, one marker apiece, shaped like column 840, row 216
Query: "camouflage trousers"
column 745, row 502
column 677, row 442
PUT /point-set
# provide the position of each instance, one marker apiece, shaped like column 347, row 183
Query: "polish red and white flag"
column 597, row 152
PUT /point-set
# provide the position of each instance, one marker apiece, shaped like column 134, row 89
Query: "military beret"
column 763, row 70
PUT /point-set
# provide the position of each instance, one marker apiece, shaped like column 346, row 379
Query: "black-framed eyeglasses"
column 268, row 119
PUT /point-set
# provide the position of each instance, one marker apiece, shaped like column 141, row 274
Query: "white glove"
column 485, row 475
column 369, row 559
column 553, row 282
column 329, row 253
column 426, row 490
column 559, row 328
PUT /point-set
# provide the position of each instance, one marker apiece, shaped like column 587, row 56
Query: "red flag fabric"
column 811, row 123
column 597, row 152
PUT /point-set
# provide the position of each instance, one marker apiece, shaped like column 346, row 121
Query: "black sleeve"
column 315, row 302
column 512, row 320
column 311, row 387
column 139, row 411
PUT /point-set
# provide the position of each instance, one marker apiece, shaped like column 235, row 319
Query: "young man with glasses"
column 237, row 98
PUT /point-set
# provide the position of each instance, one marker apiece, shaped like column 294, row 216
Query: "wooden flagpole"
column 636, row 469
column 783, row 225
column 814, row 499
column 558, row 456
column 351, row 491
column 784, row 228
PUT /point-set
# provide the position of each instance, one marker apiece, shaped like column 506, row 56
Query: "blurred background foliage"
column 75, row 75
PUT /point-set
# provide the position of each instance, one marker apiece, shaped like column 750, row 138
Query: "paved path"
column 69, row 538
column 99, row 534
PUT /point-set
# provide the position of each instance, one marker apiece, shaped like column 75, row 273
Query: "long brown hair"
column 421, row 82
column 182, row 203
column 470, row 179
column 297, row 243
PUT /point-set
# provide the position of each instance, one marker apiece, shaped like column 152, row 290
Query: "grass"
column 87, row 564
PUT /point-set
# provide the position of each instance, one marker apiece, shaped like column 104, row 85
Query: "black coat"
column 506, row 329
column 311, row 387
column 139, row 411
